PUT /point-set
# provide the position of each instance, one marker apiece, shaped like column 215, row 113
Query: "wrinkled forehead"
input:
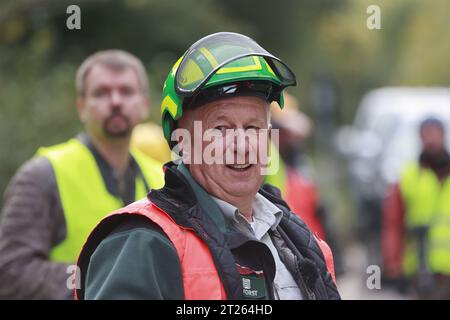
column 107, row 75
column 235, row 108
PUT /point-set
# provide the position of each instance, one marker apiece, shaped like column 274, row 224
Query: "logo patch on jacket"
column 253, row 283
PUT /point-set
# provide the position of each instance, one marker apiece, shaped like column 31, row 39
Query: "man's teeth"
column 240, row 166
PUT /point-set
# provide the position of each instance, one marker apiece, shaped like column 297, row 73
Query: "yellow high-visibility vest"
column 278, row 176
column 84, row 197
column 427, row 202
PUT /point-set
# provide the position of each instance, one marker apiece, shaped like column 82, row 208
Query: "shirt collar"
column 264, row 212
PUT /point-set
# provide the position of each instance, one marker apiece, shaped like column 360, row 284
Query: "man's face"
column 113, row 102
column 433, row 139
column 235, row 120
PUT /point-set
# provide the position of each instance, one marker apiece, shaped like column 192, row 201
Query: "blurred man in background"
column 300, row 193
column 294, row 175
column 58, row 196
column 416, row 226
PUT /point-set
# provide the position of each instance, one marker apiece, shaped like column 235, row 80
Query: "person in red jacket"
column 396, row 235
column 298, row 189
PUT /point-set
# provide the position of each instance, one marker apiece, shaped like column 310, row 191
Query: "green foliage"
column 39, row 55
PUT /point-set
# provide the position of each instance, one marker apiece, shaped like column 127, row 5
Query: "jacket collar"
column 181, row 193
column 179, row 200
column 204, row 200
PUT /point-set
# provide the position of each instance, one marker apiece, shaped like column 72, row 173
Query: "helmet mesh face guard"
column 214, row 53
column 222, row 64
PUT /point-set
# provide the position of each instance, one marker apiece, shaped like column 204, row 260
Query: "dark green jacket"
column 128, row 257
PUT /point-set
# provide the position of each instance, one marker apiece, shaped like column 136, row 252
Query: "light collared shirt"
column 266, row 216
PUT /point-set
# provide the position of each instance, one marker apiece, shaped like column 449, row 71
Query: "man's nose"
column 241, row 143
column 116, row 99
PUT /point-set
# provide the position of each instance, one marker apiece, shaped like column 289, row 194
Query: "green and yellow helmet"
column 220, row 64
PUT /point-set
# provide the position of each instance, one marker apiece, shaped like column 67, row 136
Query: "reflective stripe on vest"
column 427, row 203
column 201, row 280
column 83, row 193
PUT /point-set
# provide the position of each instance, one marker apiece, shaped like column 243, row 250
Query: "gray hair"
column 114, row 59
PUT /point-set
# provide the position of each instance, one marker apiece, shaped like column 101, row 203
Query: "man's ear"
column 81, row 108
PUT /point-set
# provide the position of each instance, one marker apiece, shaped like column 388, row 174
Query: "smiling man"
column 213, row 231
column 57, row 197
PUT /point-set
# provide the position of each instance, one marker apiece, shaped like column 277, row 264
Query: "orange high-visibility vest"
column 201, row 280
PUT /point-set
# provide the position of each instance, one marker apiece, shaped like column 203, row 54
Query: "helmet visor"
column 205, row 57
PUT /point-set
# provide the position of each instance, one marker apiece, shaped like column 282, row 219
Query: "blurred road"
column 352, row 285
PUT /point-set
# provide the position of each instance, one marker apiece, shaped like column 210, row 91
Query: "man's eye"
column 252, row 128
column 100, row 93
column 221, row 128
column 127, row 91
